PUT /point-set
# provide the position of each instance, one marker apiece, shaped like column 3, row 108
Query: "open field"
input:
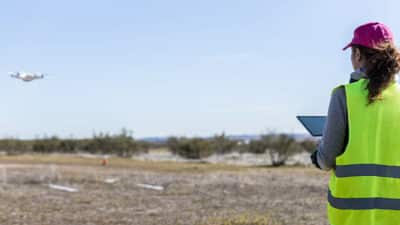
column 193, row 193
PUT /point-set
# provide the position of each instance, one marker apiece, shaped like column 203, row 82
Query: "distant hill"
column 240, row 137
column 156, row 140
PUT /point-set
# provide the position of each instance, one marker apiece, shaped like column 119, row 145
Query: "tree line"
column 278, row 146
column 122, row 145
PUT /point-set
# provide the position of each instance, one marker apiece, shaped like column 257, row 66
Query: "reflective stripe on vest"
column 363, row 203
column 367, row 170
column 365, row 185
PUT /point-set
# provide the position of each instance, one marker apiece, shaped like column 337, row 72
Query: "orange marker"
column 104, row 162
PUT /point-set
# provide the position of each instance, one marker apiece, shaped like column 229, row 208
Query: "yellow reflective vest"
column 364, row 188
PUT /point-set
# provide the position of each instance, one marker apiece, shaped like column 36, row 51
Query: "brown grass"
column 243, row 219
column 115, row 162
column 195, row 194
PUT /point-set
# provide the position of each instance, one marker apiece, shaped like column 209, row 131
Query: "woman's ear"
column 356, row 58
column 357, row 55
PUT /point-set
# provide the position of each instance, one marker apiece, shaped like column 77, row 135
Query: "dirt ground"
column 291, row 195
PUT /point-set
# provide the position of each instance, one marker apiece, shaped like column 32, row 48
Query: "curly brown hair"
column 381, row 66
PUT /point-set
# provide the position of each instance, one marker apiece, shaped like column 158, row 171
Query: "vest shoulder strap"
column 337, row 87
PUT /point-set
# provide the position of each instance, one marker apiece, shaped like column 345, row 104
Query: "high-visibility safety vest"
column 364, row 188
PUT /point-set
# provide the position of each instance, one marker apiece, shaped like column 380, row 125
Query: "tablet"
column 313, row 124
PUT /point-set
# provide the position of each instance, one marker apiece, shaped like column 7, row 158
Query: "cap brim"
column 347, row 46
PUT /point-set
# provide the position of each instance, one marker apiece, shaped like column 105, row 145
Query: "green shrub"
column 14, row 146
column 280, row 147
column 122, row 144
column 309, row 145
column 257, row 147
column 220, row 144
column 46, row 145
column 190, row 148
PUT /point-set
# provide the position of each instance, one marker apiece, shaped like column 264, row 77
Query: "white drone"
column 27, row 76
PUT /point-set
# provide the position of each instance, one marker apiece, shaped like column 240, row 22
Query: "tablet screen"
column 313, row 124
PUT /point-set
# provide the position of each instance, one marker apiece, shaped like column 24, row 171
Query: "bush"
column 173, row 145
column 46, row 145
column 14, row 146
column 54, row 144
column 220, row 144
column 257, row 147
column 190, row 148
column 309, row 145
column 122, row 145
column 280, row 147
column 68, row 146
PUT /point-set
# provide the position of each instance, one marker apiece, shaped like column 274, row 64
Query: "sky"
column 184, row 68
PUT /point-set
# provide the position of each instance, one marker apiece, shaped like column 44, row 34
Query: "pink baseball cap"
column 371, row 35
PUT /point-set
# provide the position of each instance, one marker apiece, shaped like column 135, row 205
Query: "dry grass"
column 244, row 219
column 195, row 194
column 115, row 162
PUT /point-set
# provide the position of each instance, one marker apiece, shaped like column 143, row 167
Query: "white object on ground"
column 111, row 180
column 62, row 188
column 149, row 186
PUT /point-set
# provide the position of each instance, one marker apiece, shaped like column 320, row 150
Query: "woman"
column 361, row 140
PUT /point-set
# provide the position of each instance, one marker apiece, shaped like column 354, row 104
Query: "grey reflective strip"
column 368, row 170
column 363, row 203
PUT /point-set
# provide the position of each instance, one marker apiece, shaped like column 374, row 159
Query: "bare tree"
column 280, row 147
